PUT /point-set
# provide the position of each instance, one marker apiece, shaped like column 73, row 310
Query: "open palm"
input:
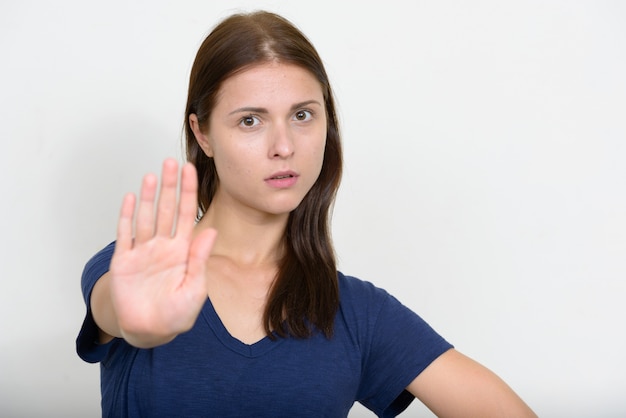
column 158, row 279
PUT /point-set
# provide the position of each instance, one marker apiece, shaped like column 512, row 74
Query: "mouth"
column 282, row 179
column 282, row 175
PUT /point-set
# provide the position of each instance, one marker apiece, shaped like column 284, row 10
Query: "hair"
column 304, row 296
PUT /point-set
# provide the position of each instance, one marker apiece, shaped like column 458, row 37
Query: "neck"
column 245, row 238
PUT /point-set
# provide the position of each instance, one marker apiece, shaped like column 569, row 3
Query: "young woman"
column 281, row 333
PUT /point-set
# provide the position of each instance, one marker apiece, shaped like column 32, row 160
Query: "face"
column 267, row 135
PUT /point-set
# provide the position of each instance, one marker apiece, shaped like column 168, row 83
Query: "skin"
column 268, row 119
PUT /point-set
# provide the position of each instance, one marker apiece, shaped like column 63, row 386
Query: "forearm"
column 455, row 385
column 102, row 310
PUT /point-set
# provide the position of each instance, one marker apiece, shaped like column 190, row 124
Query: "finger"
column 188, row 203
column 199, row 253
column 125, row 224
column 145, row 213
column 166, row 210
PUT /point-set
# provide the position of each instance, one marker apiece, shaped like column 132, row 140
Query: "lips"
column 282, row 179
column 282, row 175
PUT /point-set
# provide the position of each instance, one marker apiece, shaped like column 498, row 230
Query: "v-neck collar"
column 256, row 349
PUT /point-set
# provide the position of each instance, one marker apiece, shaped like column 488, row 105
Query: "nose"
column 281, row 142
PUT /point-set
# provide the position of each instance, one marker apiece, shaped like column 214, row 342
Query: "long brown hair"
column 305, row 295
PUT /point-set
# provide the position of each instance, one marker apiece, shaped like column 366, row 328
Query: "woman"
column 282, row 333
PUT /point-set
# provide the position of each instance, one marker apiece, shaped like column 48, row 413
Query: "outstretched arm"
column 156, row 286
column 456, row 386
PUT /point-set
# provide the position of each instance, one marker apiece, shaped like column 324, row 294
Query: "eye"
column 303, row 115
column 249, row 121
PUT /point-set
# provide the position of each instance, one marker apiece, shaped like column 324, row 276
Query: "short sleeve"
column 87, row 345
column 396, row 346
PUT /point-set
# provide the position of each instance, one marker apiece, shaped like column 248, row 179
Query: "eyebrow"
column 251, row 109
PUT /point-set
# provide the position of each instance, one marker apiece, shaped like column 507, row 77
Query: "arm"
column 102, row 310
column 456, row 386
column 156, row 286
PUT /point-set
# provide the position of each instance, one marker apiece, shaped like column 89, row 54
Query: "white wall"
column 485, row 176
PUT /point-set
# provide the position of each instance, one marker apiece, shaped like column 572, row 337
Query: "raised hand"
column 157, row 279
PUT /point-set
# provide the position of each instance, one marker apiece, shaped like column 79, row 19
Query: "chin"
column 284, row 207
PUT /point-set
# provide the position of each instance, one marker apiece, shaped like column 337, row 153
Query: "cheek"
column 316, row 160
column 233, row 163
column 316, row 139
column 319, row 155
column 229, row 167
column 320, row 149
column 225, row 156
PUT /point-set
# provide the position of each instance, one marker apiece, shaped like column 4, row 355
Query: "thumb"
column 199, row 253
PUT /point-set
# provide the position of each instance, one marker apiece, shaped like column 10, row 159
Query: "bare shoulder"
column 455, row 385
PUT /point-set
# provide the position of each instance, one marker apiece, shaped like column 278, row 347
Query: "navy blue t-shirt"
column 378, row 347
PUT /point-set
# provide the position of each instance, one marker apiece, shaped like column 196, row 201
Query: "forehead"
column 270, row 83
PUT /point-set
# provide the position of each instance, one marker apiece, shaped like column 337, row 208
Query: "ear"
column 202, row 139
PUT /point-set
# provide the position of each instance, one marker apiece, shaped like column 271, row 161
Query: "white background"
column 485, row 175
